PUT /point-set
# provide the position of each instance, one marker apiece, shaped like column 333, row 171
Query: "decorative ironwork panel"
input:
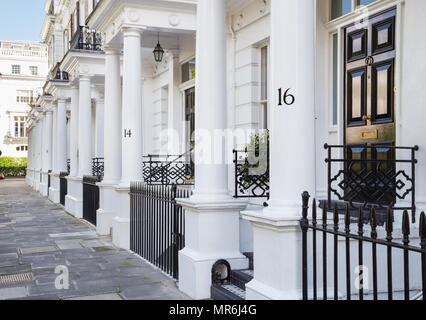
column 251, row 175
column 378, row 175
column 98, row 168
column 87, row 39
column 168, row 170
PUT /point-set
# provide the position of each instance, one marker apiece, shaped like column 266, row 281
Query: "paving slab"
column 37, row 236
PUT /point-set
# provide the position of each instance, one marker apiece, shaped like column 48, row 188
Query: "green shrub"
column 13, row 167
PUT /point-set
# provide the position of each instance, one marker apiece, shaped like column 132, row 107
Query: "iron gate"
column 371, row 243
column 157, row 224
column 90, row 198
column 63, row 187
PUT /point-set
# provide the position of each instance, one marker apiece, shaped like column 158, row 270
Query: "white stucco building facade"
column 342, row 72
column 23, row 71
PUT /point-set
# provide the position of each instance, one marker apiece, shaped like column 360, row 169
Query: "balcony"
column 86, row 39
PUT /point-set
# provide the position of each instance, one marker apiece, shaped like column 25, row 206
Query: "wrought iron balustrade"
column 377, row 265
column 169, row 170
column 86, row 39
column 98, row 168
column 251, row 174
column 379, row 175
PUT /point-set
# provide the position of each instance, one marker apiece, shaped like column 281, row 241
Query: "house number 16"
column 288, row 99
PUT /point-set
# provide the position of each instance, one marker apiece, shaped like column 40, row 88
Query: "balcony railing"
column 98, row 168
column 169, row 170
column 58, row 74
column 382, row 176
column 86, row 39
column 251, row 174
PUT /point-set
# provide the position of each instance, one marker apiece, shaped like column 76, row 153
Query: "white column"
column 61, row 137
column 99, row 145
column 112, row 143
column 54, row 140
column 48, row 137
column 85, row 130
column 210, row 88
column 212, row 215
column 277, row 271
column 132, row 107
column 74, row 132
column 112, row 117
column 131, row 146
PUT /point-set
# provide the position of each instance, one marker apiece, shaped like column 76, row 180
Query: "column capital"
column 132, row 31
column 112, row 50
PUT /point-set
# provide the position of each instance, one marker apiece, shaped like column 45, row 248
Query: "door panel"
column 383, row 92
column 383, row 37
column 357, row 45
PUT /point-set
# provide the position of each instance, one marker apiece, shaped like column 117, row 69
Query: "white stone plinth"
column 74, row 198
column 212, row 234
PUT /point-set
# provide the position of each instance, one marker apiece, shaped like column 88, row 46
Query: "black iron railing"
column 90, row 198
column 63, row 187
column 58, row 74
column 157, row 224
column 251, row 175
column 98, row 168
column 379, row 175
column 69, row 166
column 168, row 170
column 364, row 238
column 86, row 39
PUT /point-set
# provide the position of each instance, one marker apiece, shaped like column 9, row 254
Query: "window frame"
column 354, row 7
column 16, row 67
column 32, row 68
column 264, row 115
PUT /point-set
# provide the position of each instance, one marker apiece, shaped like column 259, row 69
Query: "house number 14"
column 288, row 99
column 127, row 133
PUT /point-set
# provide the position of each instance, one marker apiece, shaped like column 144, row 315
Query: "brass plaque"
column 369, row 134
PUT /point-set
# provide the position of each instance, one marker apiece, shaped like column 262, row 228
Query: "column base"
column 74, row 198
column 108, row 199
column 212, row 234
column 277, row 267
column 45, row 184
column 121, row 232
column 54, row 190
column 121, row 220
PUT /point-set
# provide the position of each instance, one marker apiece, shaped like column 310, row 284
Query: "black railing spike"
column 422, row 229
column 373, row 219
column 314, row 211
column 405, row 223
column 389, row 221
column 324, row 215
column 347, row 216
column 361, row 220
column 336, row 215
column 305, row 204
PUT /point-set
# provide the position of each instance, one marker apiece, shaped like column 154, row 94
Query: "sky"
column 21, row 19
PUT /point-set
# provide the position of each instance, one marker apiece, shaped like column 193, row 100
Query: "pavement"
column 47, row 254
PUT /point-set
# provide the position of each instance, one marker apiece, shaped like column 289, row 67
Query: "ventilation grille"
column 16, row 278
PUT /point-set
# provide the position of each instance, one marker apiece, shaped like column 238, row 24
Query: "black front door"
column 370, row 105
